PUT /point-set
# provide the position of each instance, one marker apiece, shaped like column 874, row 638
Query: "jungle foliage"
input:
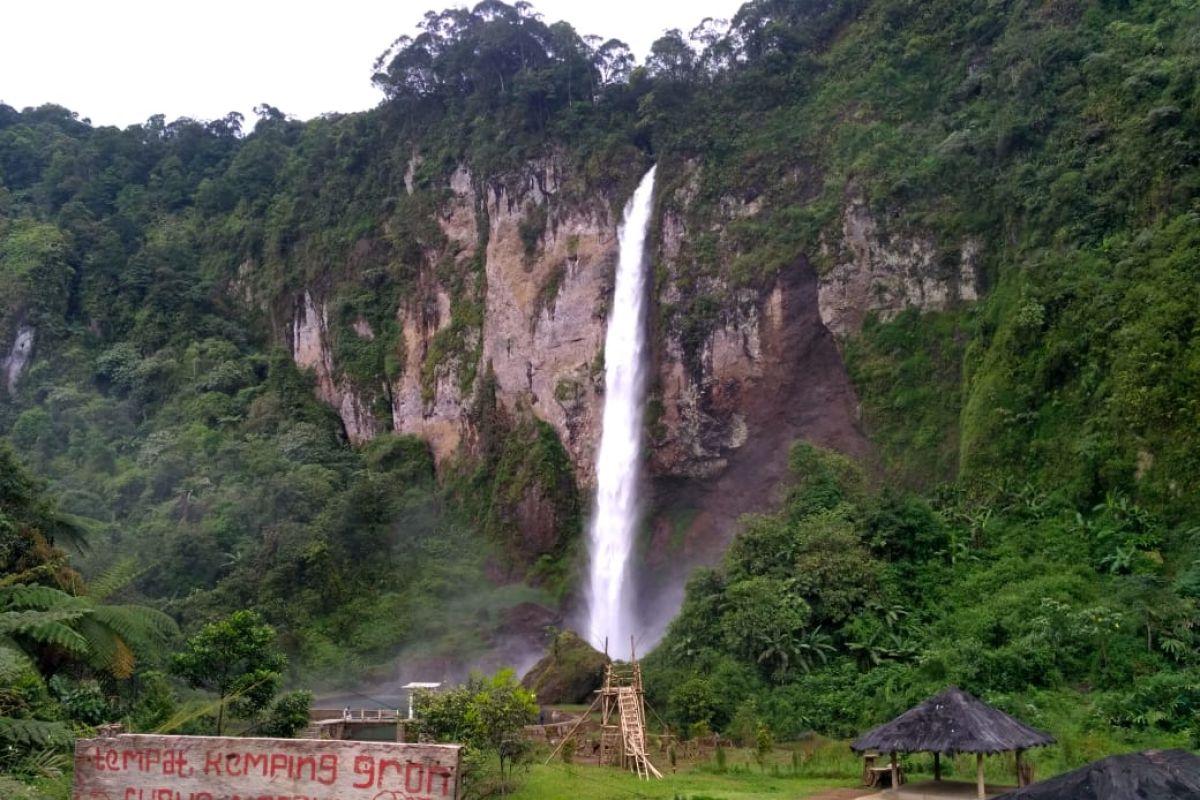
column 851, row 604
column 486, row 715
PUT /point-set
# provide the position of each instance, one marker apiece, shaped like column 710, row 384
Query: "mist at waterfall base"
column 614, row 518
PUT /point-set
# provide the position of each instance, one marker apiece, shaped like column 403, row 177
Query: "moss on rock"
column 570, row 671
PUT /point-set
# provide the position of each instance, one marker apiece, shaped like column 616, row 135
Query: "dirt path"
column 840, row 794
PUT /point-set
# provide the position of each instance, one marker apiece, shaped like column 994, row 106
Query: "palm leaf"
column 188, row 712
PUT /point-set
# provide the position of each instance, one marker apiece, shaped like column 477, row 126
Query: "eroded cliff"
column 729, row 393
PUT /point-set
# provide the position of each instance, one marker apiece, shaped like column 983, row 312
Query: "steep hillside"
column 954, row 241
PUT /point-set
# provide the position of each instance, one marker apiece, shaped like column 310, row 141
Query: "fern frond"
column 64, row 528
column 137, row 625
column 33, row 733
column 35, row 596
column 108, row 650
column 57, row 634
column 113, row 580
column 28, row 622
column 103, row 645
column 124, row 661
column 13, row 660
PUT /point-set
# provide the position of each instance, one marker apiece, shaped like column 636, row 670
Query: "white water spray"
column 618, row 464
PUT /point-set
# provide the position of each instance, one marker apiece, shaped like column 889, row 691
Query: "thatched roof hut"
column 1157, row 774
column 952, row 722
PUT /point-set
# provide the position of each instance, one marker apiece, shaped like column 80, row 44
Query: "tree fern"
column 27, row 733
column 113, row 580
column 108, row 651
column 135, row 629
column 35, row 596
column 63, row 528
column 13, row 660
column 107, row 637
column 140, row 626
column 30, row 623
column 57, row 634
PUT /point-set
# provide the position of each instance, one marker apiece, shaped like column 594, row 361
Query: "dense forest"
column 1026, row 524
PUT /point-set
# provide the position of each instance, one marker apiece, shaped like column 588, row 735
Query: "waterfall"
column 618, row 463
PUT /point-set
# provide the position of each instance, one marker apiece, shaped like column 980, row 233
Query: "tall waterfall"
column 618, row 464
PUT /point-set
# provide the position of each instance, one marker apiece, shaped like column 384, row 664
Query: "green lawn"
column 583, row 782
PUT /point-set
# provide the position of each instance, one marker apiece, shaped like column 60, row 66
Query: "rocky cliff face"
column 543, row 332
column 426, row 399
column 764, row 372
column 310, row 349
column 884, row 272
column 548, row 269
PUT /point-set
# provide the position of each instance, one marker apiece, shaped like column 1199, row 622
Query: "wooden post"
column 1020, row 776
column 895, row 775
column 979, row 776
column 937, row 766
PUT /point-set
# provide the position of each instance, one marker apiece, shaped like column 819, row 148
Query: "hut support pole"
column 937, row 766
column 979, row 776
column 1020, row 779
column 895, row 775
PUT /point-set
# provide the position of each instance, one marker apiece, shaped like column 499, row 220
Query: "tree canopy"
column 237, row 658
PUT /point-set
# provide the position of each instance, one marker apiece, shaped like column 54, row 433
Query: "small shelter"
column 1158, row 774
column 953, row 722
column 418, row 686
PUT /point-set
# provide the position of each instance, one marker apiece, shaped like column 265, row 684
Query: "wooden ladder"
column 633, row 730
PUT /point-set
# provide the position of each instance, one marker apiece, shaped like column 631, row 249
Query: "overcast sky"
column 117, row 62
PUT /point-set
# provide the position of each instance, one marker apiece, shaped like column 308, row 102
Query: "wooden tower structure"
column 623, row 718
column 622, row 703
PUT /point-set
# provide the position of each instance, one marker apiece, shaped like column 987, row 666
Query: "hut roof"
column 1158, row 774
column 952, row 722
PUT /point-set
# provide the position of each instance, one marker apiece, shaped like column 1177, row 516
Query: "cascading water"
column 618, row 464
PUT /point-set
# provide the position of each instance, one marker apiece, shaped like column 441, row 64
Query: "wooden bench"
column 879, row 776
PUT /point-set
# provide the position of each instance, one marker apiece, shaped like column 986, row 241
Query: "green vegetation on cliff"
column 1062, row 141
column 850, row 604
column 1050, row 426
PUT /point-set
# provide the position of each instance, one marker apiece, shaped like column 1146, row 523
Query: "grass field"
column 579, row 782
column 814, row 768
